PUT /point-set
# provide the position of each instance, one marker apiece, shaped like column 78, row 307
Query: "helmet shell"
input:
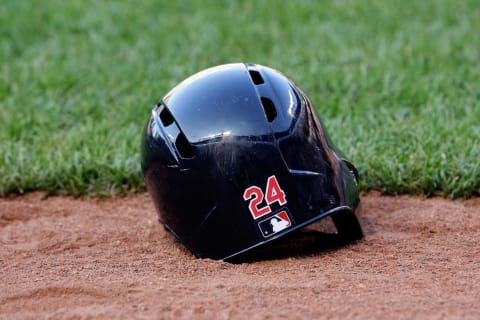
column 235, row 156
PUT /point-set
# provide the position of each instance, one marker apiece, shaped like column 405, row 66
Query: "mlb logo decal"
column 275, row 224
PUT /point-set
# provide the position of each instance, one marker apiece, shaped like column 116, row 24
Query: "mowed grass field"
column 396, row 83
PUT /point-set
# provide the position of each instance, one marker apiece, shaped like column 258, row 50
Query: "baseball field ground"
column 396, row 84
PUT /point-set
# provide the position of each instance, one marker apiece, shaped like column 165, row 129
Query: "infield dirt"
column 62, row 257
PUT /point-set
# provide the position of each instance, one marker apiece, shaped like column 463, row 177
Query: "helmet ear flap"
column 347, row 224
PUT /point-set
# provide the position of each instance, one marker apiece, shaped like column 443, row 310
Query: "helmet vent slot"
column 166, row 117
column 269, row 108
column 184, row 147
column 256, row 76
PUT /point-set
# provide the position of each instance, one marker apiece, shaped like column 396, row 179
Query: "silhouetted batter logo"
column 275, row 223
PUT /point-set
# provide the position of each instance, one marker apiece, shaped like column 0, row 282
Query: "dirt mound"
column 75, row 258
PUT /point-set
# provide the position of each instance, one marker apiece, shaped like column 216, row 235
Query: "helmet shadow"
column 298, row 244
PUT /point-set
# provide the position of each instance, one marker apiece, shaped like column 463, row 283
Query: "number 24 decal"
column 273, row 193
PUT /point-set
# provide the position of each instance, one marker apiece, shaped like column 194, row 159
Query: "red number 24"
column 273, row 193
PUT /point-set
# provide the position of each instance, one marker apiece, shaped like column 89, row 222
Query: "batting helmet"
column 235, row 156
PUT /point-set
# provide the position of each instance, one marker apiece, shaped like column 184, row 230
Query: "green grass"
column 397, row 84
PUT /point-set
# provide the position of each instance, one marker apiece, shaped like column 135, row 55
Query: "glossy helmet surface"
column 235, row 156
